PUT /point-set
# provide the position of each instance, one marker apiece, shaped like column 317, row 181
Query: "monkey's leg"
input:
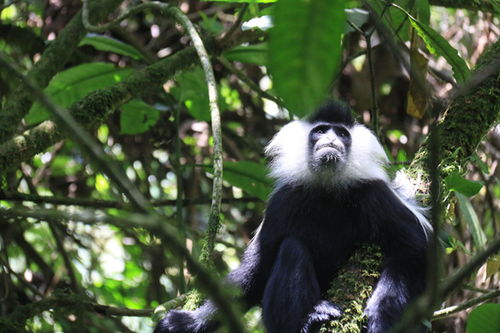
column 291, row 300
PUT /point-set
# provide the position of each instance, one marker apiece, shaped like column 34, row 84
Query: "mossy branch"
column 71, row 303
column 95, row 107
column 178, row 16
column 51, row 62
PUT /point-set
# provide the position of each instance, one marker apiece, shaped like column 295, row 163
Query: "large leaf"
column 255, row 54
column 470, row 217
column 484, row 319
column 75, row 83
column 251, row 177
column 137, row 117
column 455, row 182
column 304, row 51
column 108, row 44
column 191, row 89
column 394, row 18
column 439, row 46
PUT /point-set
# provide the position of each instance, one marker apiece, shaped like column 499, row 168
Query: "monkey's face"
column 329, row 146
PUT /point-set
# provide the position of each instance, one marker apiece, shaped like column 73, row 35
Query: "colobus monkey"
column 331, row 195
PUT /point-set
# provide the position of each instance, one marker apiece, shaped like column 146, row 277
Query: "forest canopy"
column 132, row 136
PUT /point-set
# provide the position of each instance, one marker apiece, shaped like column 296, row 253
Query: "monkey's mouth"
column 328, row 155
column 329, row 148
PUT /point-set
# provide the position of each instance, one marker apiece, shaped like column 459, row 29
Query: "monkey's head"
column 329, row 148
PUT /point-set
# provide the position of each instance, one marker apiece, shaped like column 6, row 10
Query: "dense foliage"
column 109, row 196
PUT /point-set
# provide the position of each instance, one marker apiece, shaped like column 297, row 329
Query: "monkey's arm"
column 250, row 276
column 404, row 244
column 291, row 300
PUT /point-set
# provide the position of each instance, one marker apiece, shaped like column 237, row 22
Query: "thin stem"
column 180, row 17
column 97, row 203
column 252, row 85
column 446, row 312
column 180, row 196
column 374, row 106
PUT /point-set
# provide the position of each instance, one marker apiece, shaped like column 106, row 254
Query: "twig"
column 67, row 262
column 180, row 194
column 96, row 203
column 237, row 23
column 446, row 312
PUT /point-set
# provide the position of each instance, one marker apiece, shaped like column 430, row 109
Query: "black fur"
column 333, row 112
column 308, row 233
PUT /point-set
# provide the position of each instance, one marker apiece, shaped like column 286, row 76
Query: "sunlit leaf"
column 304, row 51
column 75, row 83
column 455, row 182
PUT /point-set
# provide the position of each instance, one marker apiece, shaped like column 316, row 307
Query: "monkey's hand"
column 322, row 312
column 179, row 321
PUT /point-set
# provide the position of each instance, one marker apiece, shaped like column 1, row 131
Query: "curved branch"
column 178, row 15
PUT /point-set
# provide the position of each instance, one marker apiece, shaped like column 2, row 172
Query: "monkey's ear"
column 333, row 112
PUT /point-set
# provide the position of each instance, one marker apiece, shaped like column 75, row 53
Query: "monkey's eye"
column 342, row 132
column 321, row 129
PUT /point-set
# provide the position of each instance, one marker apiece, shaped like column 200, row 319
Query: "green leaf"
column 75, row 83
column 394, row 18
column 455, row 182
column 191, row 89
column 484, row 319
column 254, row 54
column 304, row 51
column 439, row 46
column 137, row 117
column 470, row 217
column 108, row 44
column 251, row 177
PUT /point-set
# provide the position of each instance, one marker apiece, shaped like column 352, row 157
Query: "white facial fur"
column 289, row 151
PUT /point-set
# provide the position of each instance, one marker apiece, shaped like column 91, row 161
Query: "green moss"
column 352, row 288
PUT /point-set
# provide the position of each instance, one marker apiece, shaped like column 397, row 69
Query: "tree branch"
column 446, row 312
column 51, row 62
column 95, row 107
